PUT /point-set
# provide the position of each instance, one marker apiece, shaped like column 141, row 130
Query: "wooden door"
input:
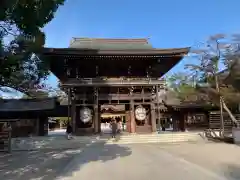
column 128, row 121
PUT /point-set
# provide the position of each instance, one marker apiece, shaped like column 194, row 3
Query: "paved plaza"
column 99, row 161
column 34, row 165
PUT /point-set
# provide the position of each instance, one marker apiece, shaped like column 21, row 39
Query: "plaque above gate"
column 140, row 113
column 85, row 115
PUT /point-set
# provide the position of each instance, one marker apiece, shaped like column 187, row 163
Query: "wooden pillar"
column 132, row 118
column 42, row 125
column 175, row 118
column 158, row 104
column 37, row 127
column 96, row 112
column 73, row 115
column 159, row 122
column 128, row 121
column 142, row 94
column 181, row 121
column 99, row 118
column 153, row 118
column 95, row 120
column 69, row 103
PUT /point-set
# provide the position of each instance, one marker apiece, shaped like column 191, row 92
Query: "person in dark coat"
column 69, row 131
column 114, row 126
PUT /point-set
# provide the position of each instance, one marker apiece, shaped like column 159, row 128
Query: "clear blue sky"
column 169, row 23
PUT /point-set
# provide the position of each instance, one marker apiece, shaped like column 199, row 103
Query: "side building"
column 118, row 75
column 27, row 116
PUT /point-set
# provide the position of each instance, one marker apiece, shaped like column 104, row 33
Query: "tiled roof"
column 170, row 99
column 27, row 104
column 110, row 43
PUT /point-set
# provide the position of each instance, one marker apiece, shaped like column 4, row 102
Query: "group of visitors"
column 115, row 127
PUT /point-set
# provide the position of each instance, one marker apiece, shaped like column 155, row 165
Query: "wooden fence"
column 5, row 141
column 215, row 121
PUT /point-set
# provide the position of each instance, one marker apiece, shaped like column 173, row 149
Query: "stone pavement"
column 34, row 165
column 60, row 141
column 51, row 142
column 218, row 157
column 101, row 161
column 154, row 162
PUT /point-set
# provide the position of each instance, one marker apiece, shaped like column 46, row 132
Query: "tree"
column 184, row 86
column 231, row 61
column 213, row 51
column 21, row 21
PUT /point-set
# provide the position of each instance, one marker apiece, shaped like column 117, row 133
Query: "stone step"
column 79, row 141
column 166, row 138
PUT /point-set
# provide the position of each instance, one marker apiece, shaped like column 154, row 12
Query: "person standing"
column 114, row 126
column 69, row 131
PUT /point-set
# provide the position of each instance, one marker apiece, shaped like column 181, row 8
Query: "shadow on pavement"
column 95, row 152
column 29, row 165
column 50, row 164
column 232, row 172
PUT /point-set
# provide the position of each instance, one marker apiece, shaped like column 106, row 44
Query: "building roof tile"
column 110, row 43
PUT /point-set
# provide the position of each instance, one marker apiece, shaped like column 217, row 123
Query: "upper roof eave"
column 84, row 51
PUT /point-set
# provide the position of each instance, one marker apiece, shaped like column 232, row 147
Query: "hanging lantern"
column 140, row 113
column 85, row 115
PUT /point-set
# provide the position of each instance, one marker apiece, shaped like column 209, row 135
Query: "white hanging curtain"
column 140, row 113
column 85, row 115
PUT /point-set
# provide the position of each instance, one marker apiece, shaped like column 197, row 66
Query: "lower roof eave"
column 105, row 85
column 134, row 52
column 114, row 83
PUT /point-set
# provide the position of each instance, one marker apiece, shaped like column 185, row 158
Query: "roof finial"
column 148, row 38
column 73, row 40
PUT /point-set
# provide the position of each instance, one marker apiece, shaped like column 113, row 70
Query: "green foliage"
column 232, row 63
column 63, row 120
column 184, row 86
column 38, row 94
column 213, row 52
column 21, row 21
column 28, row 15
